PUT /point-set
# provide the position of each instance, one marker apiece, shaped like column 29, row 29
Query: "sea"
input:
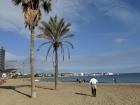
column 119, row 78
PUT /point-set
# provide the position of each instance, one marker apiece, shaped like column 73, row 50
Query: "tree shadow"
column 22, row 93
column 83, row 94
column 18, row 86
column 44, row 88
column 15, row 89
column 7, row 87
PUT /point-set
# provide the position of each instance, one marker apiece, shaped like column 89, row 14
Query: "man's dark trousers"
column 93, row 92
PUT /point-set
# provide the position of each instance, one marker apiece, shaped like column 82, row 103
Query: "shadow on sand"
column 15, row 89
column 42, row 87
column 83, row 94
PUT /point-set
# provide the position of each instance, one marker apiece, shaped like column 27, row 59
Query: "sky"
column 106, row 36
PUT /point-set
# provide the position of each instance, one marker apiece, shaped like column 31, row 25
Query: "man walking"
column 93, row 82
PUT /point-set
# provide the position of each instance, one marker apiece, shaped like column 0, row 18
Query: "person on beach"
column 78, row 80
column 114, row 80
column 93, row 82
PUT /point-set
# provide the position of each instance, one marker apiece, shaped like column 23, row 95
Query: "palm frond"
column 65, row 29
column 69, row 43
column 24, row 7
column 42, row 45
column 48, row 29
column 41, row 36
column 31, row 16
column 53, row 25
column 47, row 5
column 68, row 36
column 60, row 26
column 56, row 30
column 37, row 17
column 17, row 2
column 48, row 51
column 62, row 51
column 53, row 59
column 31, row 10
column 55, row 19
column 68, row 51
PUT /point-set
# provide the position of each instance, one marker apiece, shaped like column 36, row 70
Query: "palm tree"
column 55, row 33
column 32, row 15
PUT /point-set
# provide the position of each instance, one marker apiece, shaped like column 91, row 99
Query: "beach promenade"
column 17, row 92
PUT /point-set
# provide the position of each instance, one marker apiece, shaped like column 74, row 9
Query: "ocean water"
column 121, row 78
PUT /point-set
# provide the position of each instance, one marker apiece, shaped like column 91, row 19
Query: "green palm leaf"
column 68, row 36
column 69, row 43
column 17, row 2
column 47, row 5
column 41, row 36
column 48, row 51
column 43, row 45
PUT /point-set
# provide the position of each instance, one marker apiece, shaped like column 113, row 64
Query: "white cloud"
column 11, row 18
column 119, row 10
column 10, row 13
column 75, row 12
column 13, row 61
column 9, row 57
column 120, row 40
column 114, row 62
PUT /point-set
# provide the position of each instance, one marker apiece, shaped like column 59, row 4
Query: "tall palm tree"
column 32, row 14
column 55, row 33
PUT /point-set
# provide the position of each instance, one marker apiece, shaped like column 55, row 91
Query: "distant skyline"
column 107, row 36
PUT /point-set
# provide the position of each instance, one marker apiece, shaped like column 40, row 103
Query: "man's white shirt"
column 93, row 82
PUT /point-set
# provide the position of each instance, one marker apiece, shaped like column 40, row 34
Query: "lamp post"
column 23, row 70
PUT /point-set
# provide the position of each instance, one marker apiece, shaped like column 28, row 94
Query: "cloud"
column 77, row 12
column 121, row 61
column 104, row 61
column 120, row 40
column 72, row 10
column 119, row 10
column 9, row 56
column 80, row 12
column 11, row 17
column 23, row 62
column 13, row 61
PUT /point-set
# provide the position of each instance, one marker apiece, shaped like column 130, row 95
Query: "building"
column 82, row 74
column 5, row 72
column 67, row 74
column 2, row 58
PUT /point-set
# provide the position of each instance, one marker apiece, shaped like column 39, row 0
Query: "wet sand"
column 17, row 92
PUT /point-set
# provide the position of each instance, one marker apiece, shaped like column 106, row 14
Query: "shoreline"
column 122, row 78
column 99, row 83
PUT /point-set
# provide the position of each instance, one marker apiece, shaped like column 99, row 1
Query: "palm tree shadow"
column 14, row 88
column 44, row 88
column 83, row 94
column 7, row 87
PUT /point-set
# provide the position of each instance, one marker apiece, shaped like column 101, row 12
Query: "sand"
column 17, row 92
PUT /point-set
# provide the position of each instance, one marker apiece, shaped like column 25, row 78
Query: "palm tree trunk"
column 33, row 93
column 56, row 66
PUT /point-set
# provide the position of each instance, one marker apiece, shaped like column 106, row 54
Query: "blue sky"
column 106, row 36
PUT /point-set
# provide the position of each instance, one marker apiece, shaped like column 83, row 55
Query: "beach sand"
column 17, row 92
